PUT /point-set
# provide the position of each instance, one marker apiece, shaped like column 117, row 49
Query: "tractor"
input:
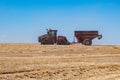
column 52, row 38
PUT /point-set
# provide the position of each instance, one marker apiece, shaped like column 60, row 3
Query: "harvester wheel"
column 61, row 42
column 87, row 42
column 45, row 42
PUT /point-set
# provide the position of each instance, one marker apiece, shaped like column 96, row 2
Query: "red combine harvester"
column 84, row 37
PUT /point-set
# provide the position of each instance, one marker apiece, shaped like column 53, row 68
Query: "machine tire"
column 87, row 42
column 61, row 42
column 46, row 42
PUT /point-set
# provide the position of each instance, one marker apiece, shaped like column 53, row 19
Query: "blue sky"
column 22, row 21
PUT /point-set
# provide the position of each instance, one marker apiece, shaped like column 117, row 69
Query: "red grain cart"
column 86, row 37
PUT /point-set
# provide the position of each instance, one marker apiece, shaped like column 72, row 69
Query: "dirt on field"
column 59, row 62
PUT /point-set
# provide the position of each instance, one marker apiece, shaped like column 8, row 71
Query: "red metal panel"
column 82, row 35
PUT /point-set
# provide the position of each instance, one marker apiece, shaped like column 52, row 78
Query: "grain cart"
column 86, row 37
column 52, row 38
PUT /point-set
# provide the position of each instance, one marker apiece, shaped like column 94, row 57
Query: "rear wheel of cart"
column 87, row 42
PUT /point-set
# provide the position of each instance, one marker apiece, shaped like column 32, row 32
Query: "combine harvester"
column 84, row 37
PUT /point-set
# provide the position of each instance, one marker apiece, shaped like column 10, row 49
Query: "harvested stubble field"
column 59, row 62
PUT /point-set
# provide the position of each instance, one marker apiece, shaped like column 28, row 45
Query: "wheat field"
column 59, row 62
